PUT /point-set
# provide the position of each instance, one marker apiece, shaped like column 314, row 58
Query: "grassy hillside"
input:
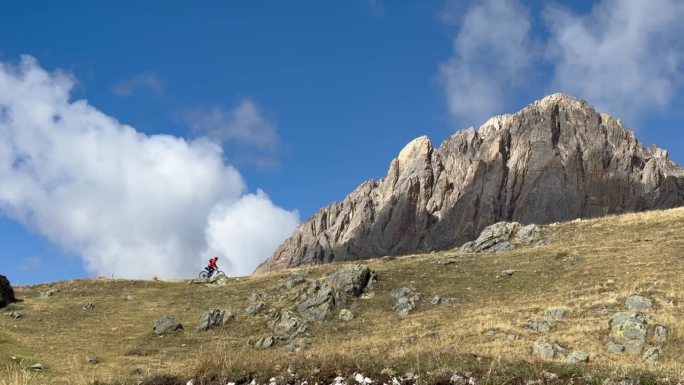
column 587, row 269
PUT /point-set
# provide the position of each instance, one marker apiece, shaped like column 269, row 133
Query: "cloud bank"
column 129, row 204
column 626, row 57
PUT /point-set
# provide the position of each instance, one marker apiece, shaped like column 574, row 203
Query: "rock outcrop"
column 6, row 292
column 555, row 160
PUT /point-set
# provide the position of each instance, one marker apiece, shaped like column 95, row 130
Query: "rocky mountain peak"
column 556, row 159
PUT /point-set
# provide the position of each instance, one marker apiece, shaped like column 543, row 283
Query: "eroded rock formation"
column 555, row 160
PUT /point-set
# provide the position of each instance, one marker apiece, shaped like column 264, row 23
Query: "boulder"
column 547, row 350
column 351, row 279
column 319, row 303
column 406, row 300
column 638, row 303
column 528, row 234
column 629, row 330
column 286, row 324
column 167, row 324
column 213, row 319
column 6, row 292
column 494, row 238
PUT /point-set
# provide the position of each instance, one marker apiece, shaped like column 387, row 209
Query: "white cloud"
column 243, row 128
column 129, row 204
column 624, row 56
column 492, row 52
column 148, row 80
column 237, row 231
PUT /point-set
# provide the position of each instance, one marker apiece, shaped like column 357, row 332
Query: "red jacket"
column 212, row 263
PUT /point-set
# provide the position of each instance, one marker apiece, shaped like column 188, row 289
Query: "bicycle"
column 206, row 274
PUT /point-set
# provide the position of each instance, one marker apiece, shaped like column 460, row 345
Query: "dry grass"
column 588, row 270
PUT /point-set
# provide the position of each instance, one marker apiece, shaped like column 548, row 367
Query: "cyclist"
column 211, row 267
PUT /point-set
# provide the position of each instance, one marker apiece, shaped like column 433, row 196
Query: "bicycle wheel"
column 219, row 272
column 204, row 274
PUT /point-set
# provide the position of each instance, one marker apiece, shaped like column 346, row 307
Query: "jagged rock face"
column 557, row 159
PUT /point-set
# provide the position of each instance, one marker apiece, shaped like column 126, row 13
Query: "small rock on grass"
column 577, row 357
column 346, row 315
column 638, row 303
column 166, row 325
column 92, row 359
column 652, row 354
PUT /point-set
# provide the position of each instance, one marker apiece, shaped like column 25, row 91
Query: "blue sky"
column 301, row 100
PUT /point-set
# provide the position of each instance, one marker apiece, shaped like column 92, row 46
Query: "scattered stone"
column 539, row 326
column 14, row 314
column 638, row 303
column 629, row 329
column 92, row 359
column 652, row 354
column 577, row 357
column 296, row 346
column 547, row 350
column 512, row 337
column 444, row 261
column 167, row 325
column 286, row 324
column 508, row 273
column 346, row 315
column 615, row 347
column 410, row 340
column 406, row 300
column 49, row 293
column 549, row 376
column 213, row 319
column 37, row 367
column 435, row 300
column 88, row 306
column 6, row 292
column 264, row 343
column 660, row 333
column 255, row 308
column 554, row 314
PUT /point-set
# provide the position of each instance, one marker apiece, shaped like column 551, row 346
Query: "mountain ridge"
column 556, row 159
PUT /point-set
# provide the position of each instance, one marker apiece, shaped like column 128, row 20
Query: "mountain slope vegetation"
column 586, row 268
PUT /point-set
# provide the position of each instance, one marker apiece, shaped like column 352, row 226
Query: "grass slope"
column 588, row 269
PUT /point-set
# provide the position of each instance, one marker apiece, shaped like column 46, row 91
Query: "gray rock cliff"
column 557, row 159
